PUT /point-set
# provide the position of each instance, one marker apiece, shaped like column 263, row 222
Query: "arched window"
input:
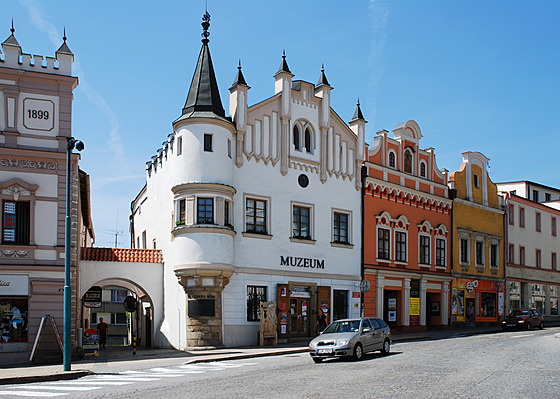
column 422, row 169
column 308, row 141
column 408, row 161
column 296, row 138
column 392, row 162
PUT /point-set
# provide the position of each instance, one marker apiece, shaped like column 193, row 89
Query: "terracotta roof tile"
column 122, row 255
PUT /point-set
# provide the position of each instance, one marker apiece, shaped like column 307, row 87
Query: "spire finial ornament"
column 12, row 30
column 64, row 37
column 205, row 26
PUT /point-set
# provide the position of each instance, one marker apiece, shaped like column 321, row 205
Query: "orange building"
column 407, row 232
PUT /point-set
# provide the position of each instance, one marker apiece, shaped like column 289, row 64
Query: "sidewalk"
column 122, row 356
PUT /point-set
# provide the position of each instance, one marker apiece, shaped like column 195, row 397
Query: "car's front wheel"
column 317, row 359
column 358, row 352
column 386, row 347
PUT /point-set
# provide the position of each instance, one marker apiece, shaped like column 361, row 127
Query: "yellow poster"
column 415, row 306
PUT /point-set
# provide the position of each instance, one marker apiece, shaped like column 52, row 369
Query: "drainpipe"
column 452, row 195
column 507, row 196
column 362, row 268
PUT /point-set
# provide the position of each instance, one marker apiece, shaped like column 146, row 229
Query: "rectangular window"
column 13, row 320
column 511, row 249
column 383, row 244
column 207, row 142
column 521, row 217
column 340, row 228
column 440, row 252
column 229, row 148
column 181, row 212
column 301, row 222
column 494, row 255
column 464, row 250
column 118, row 318
column 476, row 182
column 511, row 216
column 227, row 221
column 255, row 295
column 535, row 196
column 118, row 295
column 538, row 221
column 15, row 225
column 553, row 226
column 479, row 248
column 547, row 197
column 553, row 261
column 400, row 246
column 255, row 216
column 522, row 255
column 205, row 210
column 179, row 145
column 144, row 240
column 425, row 250
column 538, row 258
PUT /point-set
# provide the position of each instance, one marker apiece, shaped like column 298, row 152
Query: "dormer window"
column 408, row 160
column 392, row 161
column 296, row 138
column 423, row 169
column 476, row 181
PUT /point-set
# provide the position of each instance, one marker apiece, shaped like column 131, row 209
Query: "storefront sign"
column 92, row 298
column 302, row 262
column 300, row 292
column 14, row 284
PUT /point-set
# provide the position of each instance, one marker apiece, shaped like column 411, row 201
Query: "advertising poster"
column 414, row 311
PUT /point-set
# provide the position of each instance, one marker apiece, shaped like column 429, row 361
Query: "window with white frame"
column 227, row 213
column 392, row 159
column 118, row 318
column 408, row 160
column 383, row 243
column 494, row 254
column 553, row 226
column 538, row 222
column 205, row 210
column 118, row 295
column 479, row 251
column 425, row 249
column 180, row 212
column 341, row 228
column 179, row 145
column 208, row 142
column 296, row 138
column 301, row 222
column 16, row 222
column 307, row 141
column 538, row 258
column 256, row 215
column 464, row 250
column 255, row 295
column 521, row 217
column 511, row 250
column 400, row 246
column 440, row 252
column 423, row 169
column 511, row 217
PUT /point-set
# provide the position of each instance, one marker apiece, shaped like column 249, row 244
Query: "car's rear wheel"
column 527, row 326
column 541, row 326
column 358, row 352
column 317, row 359
column 386, row 347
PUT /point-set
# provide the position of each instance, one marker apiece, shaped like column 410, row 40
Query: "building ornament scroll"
column 12, row 253
column 15, row 163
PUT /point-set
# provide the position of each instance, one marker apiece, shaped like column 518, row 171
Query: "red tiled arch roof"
column 122, row 255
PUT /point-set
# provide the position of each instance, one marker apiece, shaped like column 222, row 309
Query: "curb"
column 217, row 358
column 68, row 375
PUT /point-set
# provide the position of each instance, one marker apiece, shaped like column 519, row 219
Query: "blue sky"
column 476, row 76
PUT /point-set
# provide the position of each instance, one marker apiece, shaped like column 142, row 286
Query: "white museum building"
column 260, row 205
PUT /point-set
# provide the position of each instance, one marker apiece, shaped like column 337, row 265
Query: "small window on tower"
column 208, row 142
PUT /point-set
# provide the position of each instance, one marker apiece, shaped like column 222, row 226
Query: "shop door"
column 340, row 310
column 299, row 317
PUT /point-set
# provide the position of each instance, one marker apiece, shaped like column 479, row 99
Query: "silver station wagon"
column 351, row 337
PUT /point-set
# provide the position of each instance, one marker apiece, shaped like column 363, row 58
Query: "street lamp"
column 71, row 143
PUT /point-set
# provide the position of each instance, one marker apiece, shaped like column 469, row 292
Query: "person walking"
column 321, row 321
column 102, row 330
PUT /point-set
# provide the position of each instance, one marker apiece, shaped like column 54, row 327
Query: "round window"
column 303, row 180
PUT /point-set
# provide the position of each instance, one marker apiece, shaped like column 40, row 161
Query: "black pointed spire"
column 358, row 114
column 284, row 64
column 239, row 78
column 12, row 39
column 64, row 47
column 323, row 78
column 204, row 95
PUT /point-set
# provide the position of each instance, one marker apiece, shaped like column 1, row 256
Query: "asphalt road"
column 502, row 365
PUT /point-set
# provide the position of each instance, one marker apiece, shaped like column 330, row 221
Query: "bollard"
column 134, row 345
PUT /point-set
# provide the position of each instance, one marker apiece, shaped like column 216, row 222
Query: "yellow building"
column 478, row 244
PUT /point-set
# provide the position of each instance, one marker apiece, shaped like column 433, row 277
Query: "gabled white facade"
column 198, row 203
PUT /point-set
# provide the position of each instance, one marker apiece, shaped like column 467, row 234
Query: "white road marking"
column 32, row 394
column 119, row 378
column 92, row 382
column 521, row 336
column 198, row 367
column 172, row 371
column 56, row 387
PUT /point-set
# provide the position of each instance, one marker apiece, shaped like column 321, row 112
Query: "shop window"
column 255, row 295
column 118, row 295
column 537, row 221
column 440, row 252
column 13, row 320
column 118, row 318
column 340, row 309
column 522, row 255
column 488, row 304
column 493, row 255
column 553, row 226
column 464, row 250
column 553, row 290
column 256, row 216
column 340, row 228
column 392, row 161
column 538, row 258
column 521, row 217
column 16, row 222
column 479, row 252
column 207, row 142
column 400, row 246
column 383, row 244
column 301, row 222
column 425, row 250
column 511, row 216
column 205, row 210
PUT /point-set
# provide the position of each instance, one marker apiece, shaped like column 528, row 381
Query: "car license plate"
column 511, row 325
column 324, row 351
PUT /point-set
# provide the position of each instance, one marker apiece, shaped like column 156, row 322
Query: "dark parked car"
column 523, row 319
column 351, row 337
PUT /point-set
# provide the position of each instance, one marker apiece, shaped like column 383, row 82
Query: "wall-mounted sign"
column 130, row 304
column 38, row 114
column 300, row 292
column 14, row 284
column 92, row 298
column 302, row 262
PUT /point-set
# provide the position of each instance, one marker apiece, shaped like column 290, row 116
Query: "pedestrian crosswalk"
column 101, row 381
